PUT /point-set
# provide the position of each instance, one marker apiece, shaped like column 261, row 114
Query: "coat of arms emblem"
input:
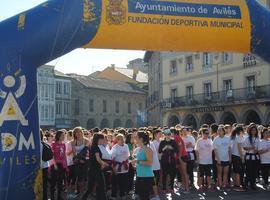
column 116, row 12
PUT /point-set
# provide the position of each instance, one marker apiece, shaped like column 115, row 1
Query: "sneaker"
column 186, row 192
column 268, row 188
column 155, row 198
column 238, row 189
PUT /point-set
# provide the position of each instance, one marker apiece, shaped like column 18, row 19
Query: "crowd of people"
column 147, row 162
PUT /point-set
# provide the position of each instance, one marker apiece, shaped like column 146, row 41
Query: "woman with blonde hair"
column 80, row 146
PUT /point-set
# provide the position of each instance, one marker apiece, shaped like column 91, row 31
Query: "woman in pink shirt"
column 59, row 166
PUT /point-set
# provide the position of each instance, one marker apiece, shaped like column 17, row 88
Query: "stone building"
column 106, row 103
column 62, row 101
column 210, row 88
column 46, row 96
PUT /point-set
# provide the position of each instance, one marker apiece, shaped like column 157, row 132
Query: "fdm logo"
column 12, row 112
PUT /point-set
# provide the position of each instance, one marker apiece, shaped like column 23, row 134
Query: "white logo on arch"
column 11, row 110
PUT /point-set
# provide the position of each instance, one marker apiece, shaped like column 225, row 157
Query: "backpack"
column 47, row 153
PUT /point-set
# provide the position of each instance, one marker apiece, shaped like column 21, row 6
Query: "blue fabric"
column 143, row 170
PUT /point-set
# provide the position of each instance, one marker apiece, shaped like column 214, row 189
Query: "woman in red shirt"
column 59, row 166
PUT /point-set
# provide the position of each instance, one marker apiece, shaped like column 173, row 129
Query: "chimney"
column 113, row 66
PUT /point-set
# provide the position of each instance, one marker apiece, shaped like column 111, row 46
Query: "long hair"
column 264, row 130
column 58, row 135
column 236, row 131
column 144, row 136
column 128, row 138
column 249, row 130
column 96, row 138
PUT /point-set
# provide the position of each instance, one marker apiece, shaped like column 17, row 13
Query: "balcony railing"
column 221, row 97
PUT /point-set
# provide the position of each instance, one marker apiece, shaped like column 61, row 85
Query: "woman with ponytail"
column 144, row 162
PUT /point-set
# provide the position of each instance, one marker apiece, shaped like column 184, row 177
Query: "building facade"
column 62, row 101
column 198, row 88
column 106, row 103
column 201, row 88
column 46, row 96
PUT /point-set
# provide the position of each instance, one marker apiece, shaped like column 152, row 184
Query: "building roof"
column 106, row 84
column 58, row 73
column 140, row 76
column 94, row 74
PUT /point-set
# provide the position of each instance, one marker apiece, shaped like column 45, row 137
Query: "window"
column 91, row 105
column 228, row 88
column 66, row 88
column 104, row 106
column 129, row 107
column 66, row 108
column 189, row 91
column 117, row 106
column 173, row 67
column 46, row 112
column 207, row 90
column 46, row 91
column 207, row 62
column 251, row 84
column 58, row 108
column 189, row 64
column 77, row 107
column 173, row 93
column 140, row 106
column 58, row 87
column 52, row 112
column 226, row 58
column 227, row 85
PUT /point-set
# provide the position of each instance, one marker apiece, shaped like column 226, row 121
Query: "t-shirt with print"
column 189, row 139
column 204, row 147
column 120, row 154
column 263, row 145
column 254, row 143
column 222, row 145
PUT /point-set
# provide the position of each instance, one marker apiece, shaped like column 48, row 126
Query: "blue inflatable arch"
column 54, row 28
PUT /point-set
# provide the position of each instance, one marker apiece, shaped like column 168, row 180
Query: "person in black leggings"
column 95, row 175
column 252, row 160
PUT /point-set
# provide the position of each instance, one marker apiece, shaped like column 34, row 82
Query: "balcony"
column 222, row 97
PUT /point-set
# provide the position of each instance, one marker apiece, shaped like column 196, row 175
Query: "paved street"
column 258, row 195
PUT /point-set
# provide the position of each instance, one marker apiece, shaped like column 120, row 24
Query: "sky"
column 80, row 61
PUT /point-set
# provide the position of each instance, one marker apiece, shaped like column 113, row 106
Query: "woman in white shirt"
column 252, row 159
column 154, row 145
column 238, row 158
column 203, row 149
column 120, row 155
column 189, row 141
column 222, row 149
column 264, row 151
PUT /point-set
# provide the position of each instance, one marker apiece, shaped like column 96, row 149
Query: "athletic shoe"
column 238, row 189
column 186, row 192
column 155, row 198
column 268, row 188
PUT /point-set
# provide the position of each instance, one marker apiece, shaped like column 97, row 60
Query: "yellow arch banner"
column 193, row 25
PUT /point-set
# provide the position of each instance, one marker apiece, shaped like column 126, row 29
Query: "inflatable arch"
column 56, row 27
